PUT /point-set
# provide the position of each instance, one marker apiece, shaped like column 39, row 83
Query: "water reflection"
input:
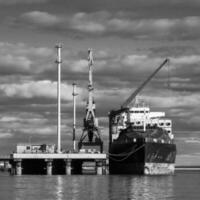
column 141, row 187
column 87, row 187
column 59, row 188
column 93, row 187
column 182, row 186
column 75, row 188
column 151, row 187
column 19, row 187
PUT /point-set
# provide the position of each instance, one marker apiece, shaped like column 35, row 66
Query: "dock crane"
column 114, row 115
column 90, row 122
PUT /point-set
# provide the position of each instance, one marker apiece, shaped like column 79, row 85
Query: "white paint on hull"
column 159, row 168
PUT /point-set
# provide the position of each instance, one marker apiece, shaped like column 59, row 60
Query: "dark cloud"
column 20, row 59
column 174, row 50
column 140, row 8
column 103, row 23
column 14, row 2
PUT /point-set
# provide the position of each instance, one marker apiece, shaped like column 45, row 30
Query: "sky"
column 129, row 39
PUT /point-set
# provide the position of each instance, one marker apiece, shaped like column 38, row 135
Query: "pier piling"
column 49, row 166
column 68, row 167
column 18, row 165
column 99, row 167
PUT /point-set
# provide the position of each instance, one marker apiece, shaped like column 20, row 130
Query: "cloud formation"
column 21, row 59
column 45, row 89
column 104, row 23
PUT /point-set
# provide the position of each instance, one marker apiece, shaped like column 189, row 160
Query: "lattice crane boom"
column 90, row 126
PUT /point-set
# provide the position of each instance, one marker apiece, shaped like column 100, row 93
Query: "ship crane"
column 90, row 122
column 114, row 115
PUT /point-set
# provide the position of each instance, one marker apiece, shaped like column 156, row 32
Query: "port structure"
column 90, row 122
column 39, row 159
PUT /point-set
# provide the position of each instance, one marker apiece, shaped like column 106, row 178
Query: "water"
column 183, row 186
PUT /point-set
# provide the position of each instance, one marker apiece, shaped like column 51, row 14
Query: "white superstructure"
column 141, row 118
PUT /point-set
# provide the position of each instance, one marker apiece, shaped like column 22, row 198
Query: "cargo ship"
column 140, row 141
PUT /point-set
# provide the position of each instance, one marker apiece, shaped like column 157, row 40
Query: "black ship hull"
column 142, row 157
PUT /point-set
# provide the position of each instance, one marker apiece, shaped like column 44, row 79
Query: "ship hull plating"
column 142, row 157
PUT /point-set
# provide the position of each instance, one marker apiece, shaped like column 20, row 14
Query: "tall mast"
column 74, row 119
column 58, row 61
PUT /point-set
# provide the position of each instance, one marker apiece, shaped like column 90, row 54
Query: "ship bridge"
column 141, row 118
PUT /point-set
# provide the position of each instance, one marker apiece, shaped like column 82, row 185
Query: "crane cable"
column 168, row 74
column 127, row 155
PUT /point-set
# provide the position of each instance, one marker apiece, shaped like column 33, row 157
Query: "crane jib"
column 134, row 94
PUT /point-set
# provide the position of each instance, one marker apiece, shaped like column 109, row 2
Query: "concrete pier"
column 54, row 163
column 68, row 168
column 49, row 166
column 18, row 165
column 99, row 167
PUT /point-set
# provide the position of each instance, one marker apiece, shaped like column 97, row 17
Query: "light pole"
column 59, row 61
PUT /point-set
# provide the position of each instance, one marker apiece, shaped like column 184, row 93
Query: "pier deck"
column 99, row 156
column 58, row 163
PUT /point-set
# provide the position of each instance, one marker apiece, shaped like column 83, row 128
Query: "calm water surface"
column 183, row 185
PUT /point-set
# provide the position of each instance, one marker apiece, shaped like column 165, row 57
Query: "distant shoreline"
column 189, row 167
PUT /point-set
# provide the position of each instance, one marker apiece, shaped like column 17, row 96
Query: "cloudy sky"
column 129, row 39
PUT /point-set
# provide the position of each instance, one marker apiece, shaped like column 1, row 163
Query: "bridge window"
column 28, row 147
